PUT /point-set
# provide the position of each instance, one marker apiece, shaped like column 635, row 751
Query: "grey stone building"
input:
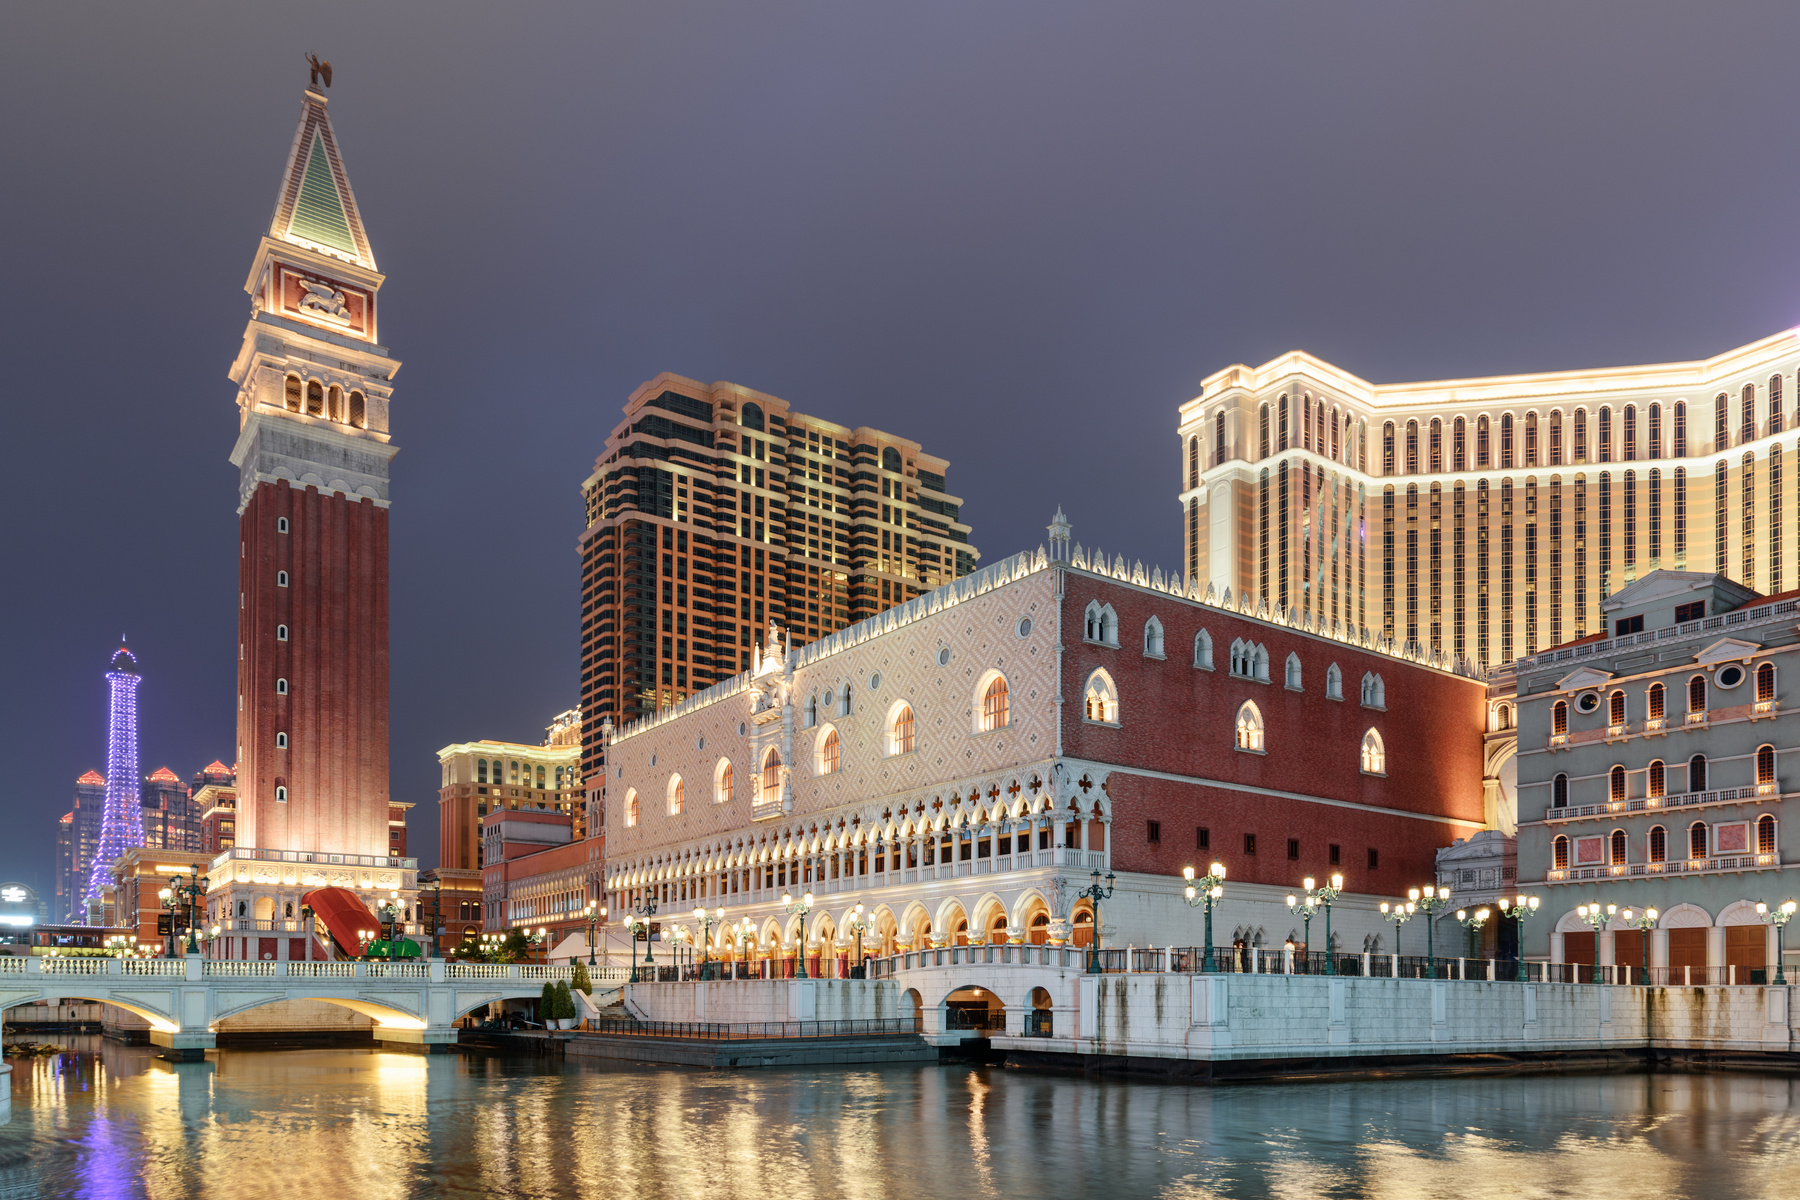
column 1651, row 773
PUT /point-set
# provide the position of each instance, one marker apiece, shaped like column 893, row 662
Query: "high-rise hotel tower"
column 312, row 452
column 715, row 509
column 1487, row 518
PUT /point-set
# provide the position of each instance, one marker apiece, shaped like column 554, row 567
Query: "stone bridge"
column 184, row 998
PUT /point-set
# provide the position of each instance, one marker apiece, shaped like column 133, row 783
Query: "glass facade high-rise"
column 714, row 510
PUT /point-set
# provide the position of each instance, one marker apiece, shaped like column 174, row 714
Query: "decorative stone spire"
column 1059, row 536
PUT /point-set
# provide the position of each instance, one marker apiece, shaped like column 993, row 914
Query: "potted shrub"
column 547, row 1005
column 581, row 982
column 565, row 1005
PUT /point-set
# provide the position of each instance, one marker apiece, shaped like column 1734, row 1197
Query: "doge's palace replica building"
column 1488, row 518
column 314, row 384
column 962, row 764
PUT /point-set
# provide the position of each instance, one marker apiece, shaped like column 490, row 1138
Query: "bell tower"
column 313, row 447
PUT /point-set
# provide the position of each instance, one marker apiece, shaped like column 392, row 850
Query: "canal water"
column 109, row 1121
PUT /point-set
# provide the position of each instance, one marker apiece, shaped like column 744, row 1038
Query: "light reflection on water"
column 110, row 1122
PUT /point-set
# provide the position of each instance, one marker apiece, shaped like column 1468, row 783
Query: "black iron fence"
column 757, row 1030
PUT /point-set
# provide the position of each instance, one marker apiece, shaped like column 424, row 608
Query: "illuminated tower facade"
column 314, row 385
column 122, row 822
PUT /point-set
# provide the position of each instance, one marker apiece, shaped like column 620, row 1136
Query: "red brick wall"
column 1179, row 720
column 335, row 661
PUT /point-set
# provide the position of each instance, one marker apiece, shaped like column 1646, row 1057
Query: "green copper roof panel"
column 319, row 212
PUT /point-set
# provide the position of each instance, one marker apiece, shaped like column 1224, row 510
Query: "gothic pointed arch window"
column 1334, row 683
column 1374, row 754
column 830, row 747
column 1291, row 672
column 1203, row 650
column 722, row 782
column 1100, row 699
column 1249, row 727
column 677, row 796
column 631, row 809
column 1153, row 638
column 771, row 777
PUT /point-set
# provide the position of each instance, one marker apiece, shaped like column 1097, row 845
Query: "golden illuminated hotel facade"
column 1487, row 518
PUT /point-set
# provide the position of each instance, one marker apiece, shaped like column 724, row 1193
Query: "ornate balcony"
column 1680, row 866
column 1658, row 803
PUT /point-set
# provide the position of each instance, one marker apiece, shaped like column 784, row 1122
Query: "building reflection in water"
column 115, row 1121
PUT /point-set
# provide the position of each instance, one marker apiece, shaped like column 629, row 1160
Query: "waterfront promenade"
column 1041, row 1006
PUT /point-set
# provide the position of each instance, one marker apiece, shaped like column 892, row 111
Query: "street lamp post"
column 1521, row 908
column 1305, row 909
column 1096, row 893
column 705, row 922
column 437, row 915
column 1324, row 896
column 1778, row 917
column 1596, row 918
column 1203, row 893
column 1644, row 922
column 1431, row 901
column 1473, row 924
column 642, row 920
column 856, row 922
column 799, row 907
column 741, row 932
column 1399, row 912
column 595, row 916
column 390, row 916
column 189, row 890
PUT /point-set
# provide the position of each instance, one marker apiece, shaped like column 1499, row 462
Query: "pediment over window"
column 1586, row 677
column 1725, row 649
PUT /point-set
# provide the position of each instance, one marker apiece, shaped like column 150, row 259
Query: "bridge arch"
column 161, row 1021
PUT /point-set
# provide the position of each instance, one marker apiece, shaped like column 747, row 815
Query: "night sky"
column 1019, row 233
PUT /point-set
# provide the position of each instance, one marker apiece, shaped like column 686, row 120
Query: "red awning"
column 345, row 916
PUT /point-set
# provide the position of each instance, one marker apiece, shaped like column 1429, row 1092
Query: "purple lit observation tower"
column 122, row 821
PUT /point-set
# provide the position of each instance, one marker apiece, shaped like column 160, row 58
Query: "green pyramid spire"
column 319, row 209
